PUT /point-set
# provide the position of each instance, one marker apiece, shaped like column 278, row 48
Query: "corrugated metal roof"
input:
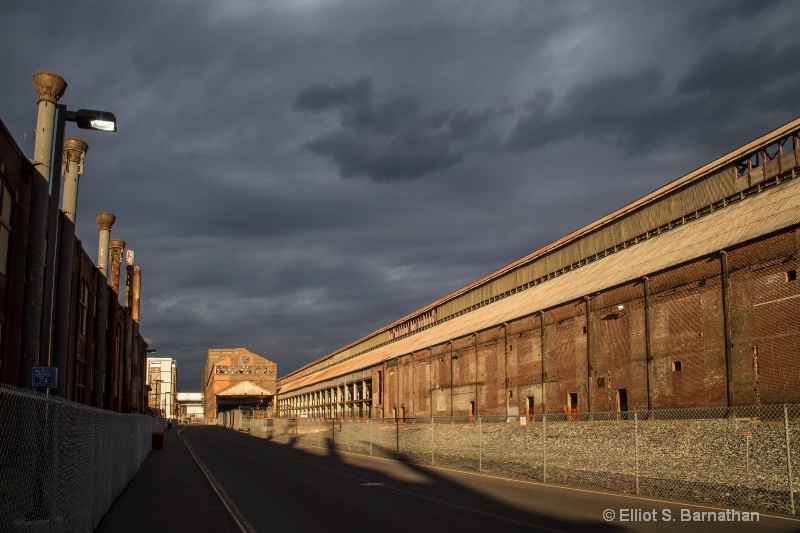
column 748, row 219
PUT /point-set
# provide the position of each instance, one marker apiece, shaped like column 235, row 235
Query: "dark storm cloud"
column 613, row 109
column 763, row 70
column 394, row 139
column 717, row 16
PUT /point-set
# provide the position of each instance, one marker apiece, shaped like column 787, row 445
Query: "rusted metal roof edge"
column 779, row 209
column 675, row 185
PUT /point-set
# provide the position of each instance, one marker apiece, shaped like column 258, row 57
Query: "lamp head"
column 89, row 119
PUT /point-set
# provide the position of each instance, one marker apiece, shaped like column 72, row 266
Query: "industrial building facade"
column 236, row 377
column 96, row 344
column 688, row 297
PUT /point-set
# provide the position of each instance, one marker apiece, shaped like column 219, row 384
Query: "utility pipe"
column 544, row 346
column 726, row 320
column 647, row 341
column 588, row 356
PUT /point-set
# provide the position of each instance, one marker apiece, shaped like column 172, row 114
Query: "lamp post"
column 42, row 344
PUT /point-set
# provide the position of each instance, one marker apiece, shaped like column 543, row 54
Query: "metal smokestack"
column 137, row 287
column 74, row 153
column 115, row 247
column 50, row 87
column 105, row 221
column 129, row 259
column 128, row 400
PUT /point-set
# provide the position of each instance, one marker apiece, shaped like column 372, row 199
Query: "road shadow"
column 371, row 493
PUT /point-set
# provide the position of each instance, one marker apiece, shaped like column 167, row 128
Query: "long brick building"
column 686, row 297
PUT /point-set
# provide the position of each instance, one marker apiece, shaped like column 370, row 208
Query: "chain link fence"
column 63, row 464
column 737, row 457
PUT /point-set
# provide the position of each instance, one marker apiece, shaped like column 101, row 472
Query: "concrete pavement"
column 169, row 494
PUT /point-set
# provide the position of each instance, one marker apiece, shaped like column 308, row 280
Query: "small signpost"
column 44, row 377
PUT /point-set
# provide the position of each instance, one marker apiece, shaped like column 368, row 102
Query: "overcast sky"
column 294, row 175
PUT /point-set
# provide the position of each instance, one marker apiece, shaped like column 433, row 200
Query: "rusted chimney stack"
column 74, row 152
column 115, row 246
column 137, row 286
column 129, row 400
column 129, row 258
column 50, row 87
column 105, row 221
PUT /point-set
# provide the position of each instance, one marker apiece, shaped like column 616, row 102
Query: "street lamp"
column 59, row 319
column 40, row 342
column 89, row 119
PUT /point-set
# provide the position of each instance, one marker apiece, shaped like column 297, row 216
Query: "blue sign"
column 44, row 377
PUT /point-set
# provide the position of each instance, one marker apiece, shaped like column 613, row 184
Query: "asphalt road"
column 270, row 486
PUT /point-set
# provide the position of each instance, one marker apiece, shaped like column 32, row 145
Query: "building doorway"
column 622, row 402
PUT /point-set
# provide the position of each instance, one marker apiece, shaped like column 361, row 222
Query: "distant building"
column 190, row 405
column 236, row 377
column 162, row 380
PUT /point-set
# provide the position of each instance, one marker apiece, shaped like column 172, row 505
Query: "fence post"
column 544, row 446
column 636, row 448
column 370, row 437
column 433, row 442
column 480, row 445
column 397, row 438
column 788, row 456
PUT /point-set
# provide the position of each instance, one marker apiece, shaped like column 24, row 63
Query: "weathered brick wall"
column 440, row 359
column 80, row 351
column 687, row 336
column 618, row 349
column 421, row 405
column 525, row 363
column 765, row 310
column 565, row 355
column 605, row 361
column 491, row 370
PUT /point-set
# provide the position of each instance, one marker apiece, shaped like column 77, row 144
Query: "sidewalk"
column 169, row 494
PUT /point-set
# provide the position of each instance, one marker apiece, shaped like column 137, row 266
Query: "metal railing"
column 63, row 464
column 739, row 457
